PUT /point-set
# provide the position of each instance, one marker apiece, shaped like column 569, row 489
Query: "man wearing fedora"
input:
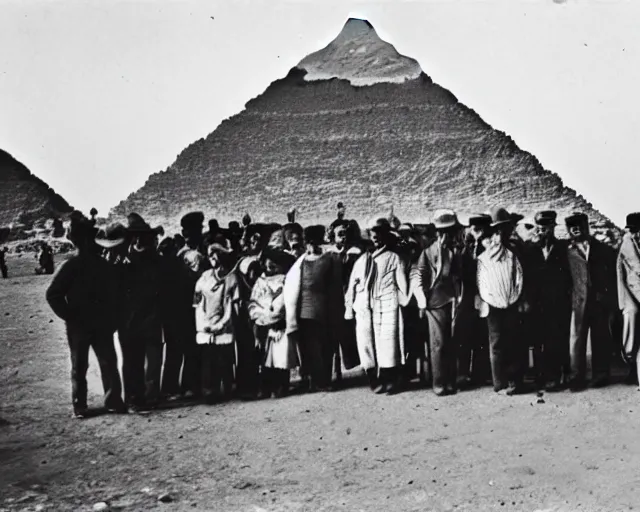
column 502, row 299
column 84, row 293
column 437, row 286
column 628, row 271
column 550, row 314
column 593, row 273
column 470, row 331
column 142, row 300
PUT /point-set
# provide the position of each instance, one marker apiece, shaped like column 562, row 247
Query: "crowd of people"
column 230, row 312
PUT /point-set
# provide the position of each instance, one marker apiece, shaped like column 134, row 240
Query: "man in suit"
column 550, row 314
column 470, row 331
column 628, row 271
column 437, row 285
column 593, row 273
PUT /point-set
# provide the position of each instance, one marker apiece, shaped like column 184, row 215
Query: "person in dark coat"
column 3, row 263
column 594, row 299
column 144, row 282
column 346, row 252
column 551, row 303
column 84, row 294
column 470, row 330
column 437, row 285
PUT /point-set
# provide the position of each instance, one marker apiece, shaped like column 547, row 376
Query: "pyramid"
column 24, row 198
column 359, row 123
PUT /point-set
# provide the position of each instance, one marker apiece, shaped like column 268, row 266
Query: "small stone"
column 50, row 321
column 100, row 506
column 348, row 430
column 165, row 498
column 410, row 482
column 540, row 401
column 180, row 436
column 490, row 482
column 366, row 449
column 145, row 490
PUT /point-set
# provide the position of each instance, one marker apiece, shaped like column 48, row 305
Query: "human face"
column 545, row 233
column 340, row 236
column 477, row 232
column 255, row 241
column 214, row 260
column 377, row 238
column 295, row 242
column 635, row 234
column 271, row 268
column 578, row 232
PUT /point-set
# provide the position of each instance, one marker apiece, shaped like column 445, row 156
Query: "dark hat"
column 278, row 256
column 516, row 217
column 482, row 220
column 113, row 235
column 213, row 225
column 292, row 228
column 633, row 220
column 81, row 229
column 314, row 234
column 291, row 215
column 138, row 226
column 192, row 220
column 234, row 227
column 576, row 218
column 134, row 218
column 546, row 218
column 340, row 205
column 380, row 224
column 500, row 216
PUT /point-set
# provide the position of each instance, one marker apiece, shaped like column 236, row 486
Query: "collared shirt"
column 546, row 251
column 584, row 248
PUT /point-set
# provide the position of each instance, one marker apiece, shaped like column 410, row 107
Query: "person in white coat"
column 377, row 290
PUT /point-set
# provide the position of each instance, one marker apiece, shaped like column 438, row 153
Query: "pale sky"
column 97, row 95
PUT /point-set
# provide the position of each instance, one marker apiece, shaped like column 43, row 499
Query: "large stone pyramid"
column 25, row 199
column 359, row 123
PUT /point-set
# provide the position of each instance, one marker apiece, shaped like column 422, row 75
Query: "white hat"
column 445, row 218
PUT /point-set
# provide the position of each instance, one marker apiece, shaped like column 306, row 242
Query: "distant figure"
column 3, row 262
column 58, row 228
column 339, row 218
column 93, row 214
column 45, row 259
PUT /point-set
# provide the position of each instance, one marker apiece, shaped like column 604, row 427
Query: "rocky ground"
column 349, row 450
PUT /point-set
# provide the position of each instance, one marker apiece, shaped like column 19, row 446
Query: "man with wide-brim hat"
column 145, row 289
column 437, row 286
column 593, row 274
column 501, row 299
column 89, row 323
column 628, row 271
column 548, row 321
column 377, row 290
column 470, row 330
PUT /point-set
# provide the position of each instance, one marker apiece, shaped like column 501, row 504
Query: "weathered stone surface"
column 311, row 143
column 26, row 200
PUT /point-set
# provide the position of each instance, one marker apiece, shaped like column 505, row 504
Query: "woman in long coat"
column 377, row 289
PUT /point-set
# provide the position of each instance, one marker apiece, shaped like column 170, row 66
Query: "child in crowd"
column 277, row 352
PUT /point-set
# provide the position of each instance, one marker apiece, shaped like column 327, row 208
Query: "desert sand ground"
column 349, row 450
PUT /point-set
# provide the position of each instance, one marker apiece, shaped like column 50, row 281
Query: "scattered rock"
column 100, row 506
column 180, row 436
column 348, row 430
column 540, row 401
column 165, row 498
column 146, row 490
column 410, row 482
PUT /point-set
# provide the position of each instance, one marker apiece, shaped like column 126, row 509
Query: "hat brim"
column 445, row 225
column 501, row 223
column 216, row 247
column 109, row 244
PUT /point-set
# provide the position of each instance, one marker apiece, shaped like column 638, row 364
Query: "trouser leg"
column 443, row 354
column 578, row 347
column 153, row 370
column 191, row 371
column 173, row 359
column 209, row 377
column 108, row 361
column 601, row 342
column 79, row 345
column 498, row 326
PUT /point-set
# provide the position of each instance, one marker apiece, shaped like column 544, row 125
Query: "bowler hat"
column 278, row 256
column 192, row 220
column 576, row 218
column 445, row 218
column 546, row 218
column 113, row 235
column 482, row 220
column 633, row 220
column 500, row 216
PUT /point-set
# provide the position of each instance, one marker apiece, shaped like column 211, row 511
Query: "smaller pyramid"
column 24, row 198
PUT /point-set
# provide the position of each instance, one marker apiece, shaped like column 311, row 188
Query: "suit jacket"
column 594, row 279
column 551, row 278
column 430, row 287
